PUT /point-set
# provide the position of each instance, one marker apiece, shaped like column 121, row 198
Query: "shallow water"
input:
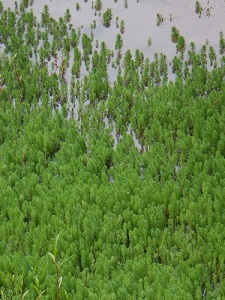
column 140, row 24
column 140, row 21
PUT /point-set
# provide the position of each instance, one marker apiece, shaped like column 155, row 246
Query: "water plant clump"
column 174, row 34
column 98, row 5
column 107, row 17
column 181, row 45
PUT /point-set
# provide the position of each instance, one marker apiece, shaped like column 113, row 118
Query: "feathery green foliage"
column 108, row 190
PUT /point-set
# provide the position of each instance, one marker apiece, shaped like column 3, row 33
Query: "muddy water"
column 140, row 21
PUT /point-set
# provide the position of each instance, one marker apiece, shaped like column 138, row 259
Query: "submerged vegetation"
column 110, row 189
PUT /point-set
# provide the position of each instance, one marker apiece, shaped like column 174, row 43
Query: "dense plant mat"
column 108, row 190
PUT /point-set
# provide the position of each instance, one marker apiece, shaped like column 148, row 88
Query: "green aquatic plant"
column 98, row 5
column 117, row 22
column 198, row 8
column 191, row 53
column 107, row 17
column 138, row 58
column 74, row 38
column 128, row 171
column 122, row 27
column 203, row 52
column 77, row 6
column 67, row 15
column 149, row 41
column 1, row 7
column 163, row 65
column 45, row 16
column 58, row 265
column 181, row 45
column 174, row 34
column 221, row 42
column 212, row 55
column 87, row 46
column 26, row 3
column 66, row 44
column 159, row 19
column 119, row 42
column 177, row 65
column 192, row 47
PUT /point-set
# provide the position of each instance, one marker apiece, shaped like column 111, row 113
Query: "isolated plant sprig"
column 57, row 265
